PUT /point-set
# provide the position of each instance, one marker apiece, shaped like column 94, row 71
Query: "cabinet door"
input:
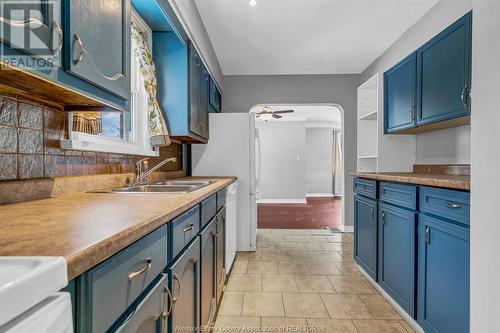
column 397, row 252
column 32, row 27
column 185, row 281
column 365, row 234
column 97, row 43
column 208, row 273
column 204, row 103
column 195, row 76
column 399, row 95
column 221, row 251
column 443, row 281
column 149, row 316
column 444, row 68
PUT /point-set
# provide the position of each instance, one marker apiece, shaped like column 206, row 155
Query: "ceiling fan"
column 267, row 114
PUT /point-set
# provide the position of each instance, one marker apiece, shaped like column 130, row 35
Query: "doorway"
column 299, row 167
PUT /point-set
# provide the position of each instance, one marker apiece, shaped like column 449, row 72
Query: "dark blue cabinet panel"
column 365, row 187
column 450, row 204
column 443, row 280
column 444, row 74
column 400, row 95
column 208, row 238
column 215, row 97
column 97, row 43
column 184, row 276
column 397, row 252
column 365, row 236
column 398, row 194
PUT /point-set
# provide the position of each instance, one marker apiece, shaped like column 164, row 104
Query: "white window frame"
column 140, row 143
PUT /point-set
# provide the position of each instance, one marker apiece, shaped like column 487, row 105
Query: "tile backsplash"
column 29, row 147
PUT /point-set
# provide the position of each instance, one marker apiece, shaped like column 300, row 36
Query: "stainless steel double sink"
column 165, row 187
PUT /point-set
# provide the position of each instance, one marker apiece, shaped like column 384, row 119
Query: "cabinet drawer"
column 221, row 198
column 184, row 229
column 208, row 210
column 450, row 204
column 398, row 194
column 147, row 315
column 366, row 187
column 115, row 284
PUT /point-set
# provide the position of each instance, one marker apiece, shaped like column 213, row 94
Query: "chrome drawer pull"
column 142, row 270
column 452, row 205
column 189, row 228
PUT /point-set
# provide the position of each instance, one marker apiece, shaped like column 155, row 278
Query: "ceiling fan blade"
column 284, row 111
column 277, row 116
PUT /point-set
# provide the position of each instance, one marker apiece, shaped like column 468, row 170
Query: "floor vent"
column 335, row 230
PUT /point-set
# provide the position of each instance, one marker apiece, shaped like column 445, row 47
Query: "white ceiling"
column 305, row 36
column 313, row 115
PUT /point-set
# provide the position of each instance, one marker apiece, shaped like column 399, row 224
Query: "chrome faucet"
column 142, row 170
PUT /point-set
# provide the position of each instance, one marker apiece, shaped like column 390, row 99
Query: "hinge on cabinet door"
column 413, row 113
column 427, row 235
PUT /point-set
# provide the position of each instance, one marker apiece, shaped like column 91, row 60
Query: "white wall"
column 435, row 147
column 450, row 145
column 283, row 160
column 241, row 93
column 319, row 160
column 190, row 17
column 485, row 218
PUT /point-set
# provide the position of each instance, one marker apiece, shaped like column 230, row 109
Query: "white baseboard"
column 416, row 327
column 319, row 195
column 282, row 201
column 346, row 228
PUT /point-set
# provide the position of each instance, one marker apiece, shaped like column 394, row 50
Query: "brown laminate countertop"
column 87, row 228
column 459, row 182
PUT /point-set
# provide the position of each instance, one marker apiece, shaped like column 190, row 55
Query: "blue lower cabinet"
column 365, row 236
column 443, row 280
column 184, row 276
column 208, row 238
column 148, row 315
column 396, row 255
column 220, row 267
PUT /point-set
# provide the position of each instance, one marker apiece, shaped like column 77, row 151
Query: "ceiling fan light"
column 266, row 116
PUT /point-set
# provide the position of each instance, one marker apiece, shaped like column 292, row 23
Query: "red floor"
column 316, row 214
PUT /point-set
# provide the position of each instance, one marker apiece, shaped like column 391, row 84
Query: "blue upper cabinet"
column 444, row 68
column 365, row 236
column 400, row 95
column 47, row 17
column 215, row 97
column 97, row 43
column 430, row 89
column 443, row 280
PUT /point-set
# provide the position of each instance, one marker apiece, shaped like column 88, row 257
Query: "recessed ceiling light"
column 252, row 3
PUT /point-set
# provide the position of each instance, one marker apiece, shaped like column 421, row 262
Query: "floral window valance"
column 144, row 59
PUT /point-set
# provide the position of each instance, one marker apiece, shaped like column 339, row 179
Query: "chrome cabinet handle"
column 427, row 235
column 452, row 205
column 463, row 96
column 175, row 298
column 412, row 113
column 146, row 268
column 383, row 217
column 371, row 212
column 169, row 301
column 60, row 38
column 77, row 40
column 189, row 228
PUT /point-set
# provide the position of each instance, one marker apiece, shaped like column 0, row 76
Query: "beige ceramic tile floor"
column 303, row 281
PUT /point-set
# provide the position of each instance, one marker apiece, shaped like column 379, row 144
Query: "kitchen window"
column 116, row 132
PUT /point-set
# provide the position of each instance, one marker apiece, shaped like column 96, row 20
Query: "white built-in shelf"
column 368, row 156
column 369, row 116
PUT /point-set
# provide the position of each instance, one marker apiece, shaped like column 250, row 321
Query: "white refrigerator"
column 231, row 151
